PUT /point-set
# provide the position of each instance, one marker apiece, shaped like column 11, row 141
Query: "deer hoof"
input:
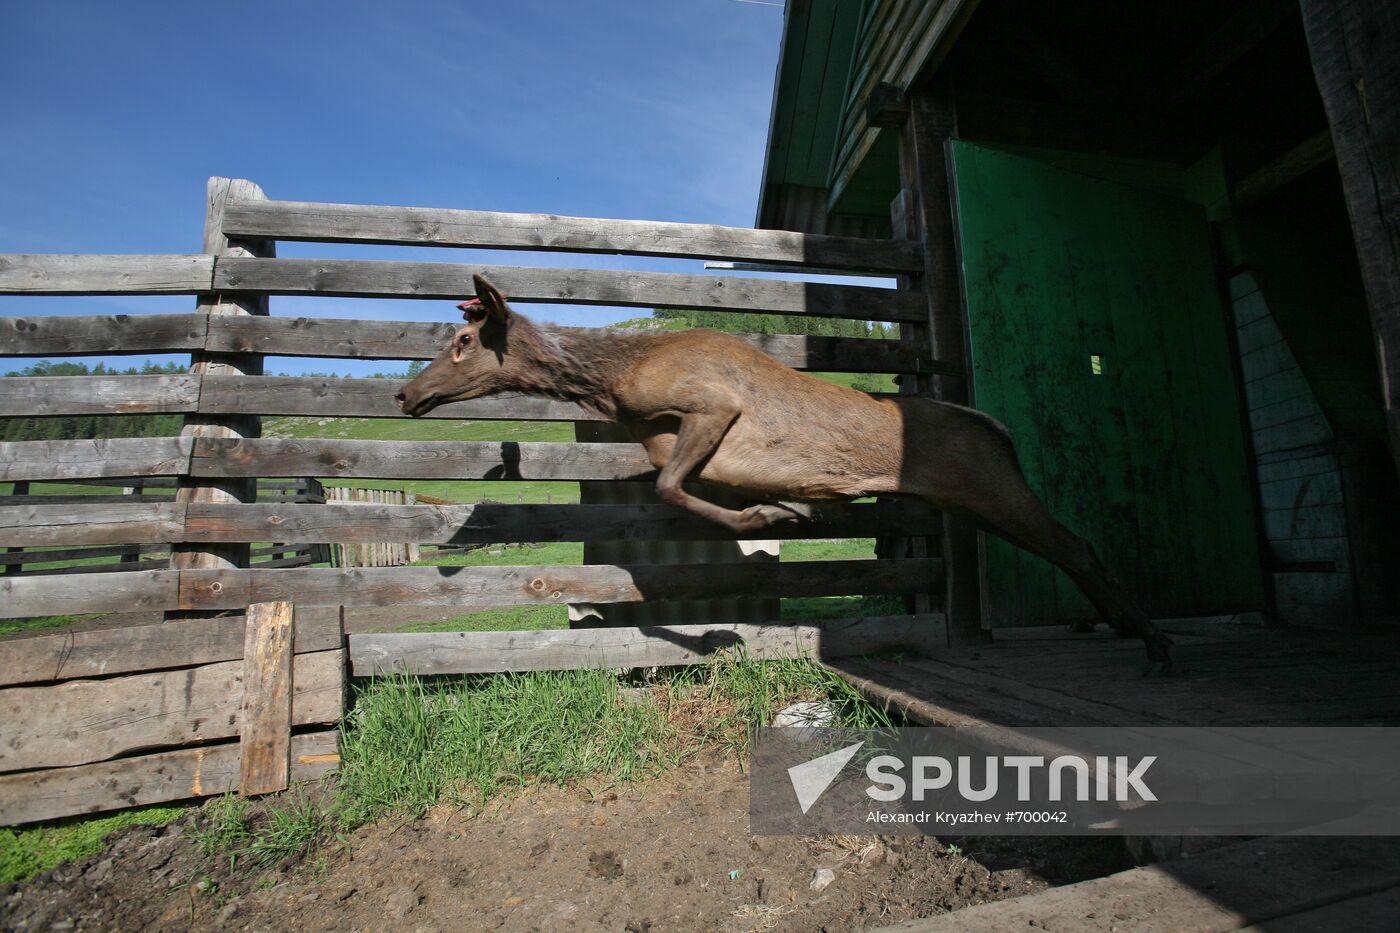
column 1157, row 668
column 761, row 516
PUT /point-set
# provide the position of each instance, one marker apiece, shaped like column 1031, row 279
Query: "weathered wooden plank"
column 426, row 653
column 436, row 280
column 420, row 459
column 117, row 523
column 109, row 335
column 38, row 396
column 94, row 459
column 490, row 523
column 362, row 398
column 139, row 591
column 83, row 721
column 496, row 587
column 1223, row 889
column 362, row 223
column 218, row 192
column 104, row 652
column 414, row 340
column 147, row 779
column 265, row 733
column 56, row 274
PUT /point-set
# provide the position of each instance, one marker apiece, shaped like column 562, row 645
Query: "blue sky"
column 116, row 113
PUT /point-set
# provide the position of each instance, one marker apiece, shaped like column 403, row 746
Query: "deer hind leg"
column 698, row 437
column 1012, row 510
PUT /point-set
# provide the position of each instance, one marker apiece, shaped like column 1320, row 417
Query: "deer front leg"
column 697, row 439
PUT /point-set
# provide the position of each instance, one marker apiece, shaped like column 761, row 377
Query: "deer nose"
column 400, row 398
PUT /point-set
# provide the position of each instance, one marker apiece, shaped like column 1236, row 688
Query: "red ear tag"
column 469, row 303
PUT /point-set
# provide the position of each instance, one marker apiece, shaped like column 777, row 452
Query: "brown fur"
column 709, row 406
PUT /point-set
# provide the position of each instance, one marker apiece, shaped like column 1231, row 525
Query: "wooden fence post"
column 923, row 211
column 222, row 556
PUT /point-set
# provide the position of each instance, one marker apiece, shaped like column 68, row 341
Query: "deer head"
column 474, row 362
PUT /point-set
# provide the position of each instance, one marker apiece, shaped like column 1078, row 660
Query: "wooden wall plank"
column 499, row 587
column 109, row 335
column 117, row 523
column 55, row 274
column 488, row 523
column 83, row 721
column 426, row 653
column 437, row 280
column 362, row 223
column 418, row 459
column 116, row 458
column 414, row 340
column 363, row 398
column 138, row 591
column 147, row 779
column 265, row 732
column 38, row 396
column 105, row 652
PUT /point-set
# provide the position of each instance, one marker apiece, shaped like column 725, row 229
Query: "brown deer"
column 708, row 406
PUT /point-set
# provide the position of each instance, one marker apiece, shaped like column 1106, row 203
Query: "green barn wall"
column 1146, row 460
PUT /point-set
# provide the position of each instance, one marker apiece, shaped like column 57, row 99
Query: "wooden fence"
column 115, row 558
column 215, row 516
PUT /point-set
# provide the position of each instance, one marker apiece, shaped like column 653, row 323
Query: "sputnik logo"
column 811, row 778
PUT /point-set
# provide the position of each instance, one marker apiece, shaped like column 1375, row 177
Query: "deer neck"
column 569, row 363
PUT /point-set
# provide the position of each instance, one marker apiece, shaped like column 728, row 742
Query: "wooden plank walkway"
column 1225, row 675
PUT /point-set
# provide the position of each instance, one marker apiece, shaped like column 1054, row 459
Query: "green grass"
column 27, row 851
column 11, row 626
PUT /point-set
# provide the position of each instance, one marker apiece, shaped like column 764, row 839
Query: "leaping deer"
column 708, row 406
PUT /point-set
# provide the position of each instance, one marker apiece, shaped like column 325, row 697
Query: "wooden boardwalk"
column 1226, row 675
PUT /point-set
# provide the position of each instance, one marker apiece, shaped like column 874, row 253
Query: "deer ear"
column 493, row 300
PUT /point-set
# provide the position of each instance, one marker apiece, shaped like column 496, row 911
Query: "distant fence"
column 215, row 516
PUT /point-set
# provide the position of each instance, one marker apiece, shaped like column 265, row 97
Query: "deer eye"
column 464, row 340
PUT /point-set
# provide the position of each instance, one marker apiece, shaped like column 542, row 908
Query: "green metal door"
column 1098, row 337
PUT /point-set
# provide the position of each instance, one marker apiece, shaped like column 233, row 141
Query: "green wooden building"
column 1139, row 252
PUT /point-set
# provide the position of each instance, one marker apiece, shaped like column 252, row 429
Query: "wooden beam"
column 362, row 398
column 147, row 779
column 103, row 652
column 108, row 335
column 500, row 587
column 24, row 596
column 490, row 523
column 94, row 459
column 40, row 396
column 265, row 732
column 361, row 223
column 408, row 340
column 83, row 721
column 1249, row 23
column 226, row 425
column 1355, row 48
column 1273, row 175
column 449, row 281
column 81, row 523
column 648, row 646
column 925, row 213
column 485, row 460
column 54, row 274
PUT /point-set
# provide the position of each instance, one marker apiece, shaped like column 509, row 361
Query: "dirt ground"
column 673, row 853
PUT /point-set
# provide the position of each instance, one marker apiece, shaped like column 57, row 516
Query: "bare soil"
column 672, row 853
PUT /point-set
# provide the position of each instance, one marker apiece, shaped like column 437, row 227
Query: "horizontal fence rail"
column 431, row 653
column 420, row 226
column 64, row 274
column 362, row 339
column 484, row 523
column 365, row 278
column 473, row 587
column 306, row 396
